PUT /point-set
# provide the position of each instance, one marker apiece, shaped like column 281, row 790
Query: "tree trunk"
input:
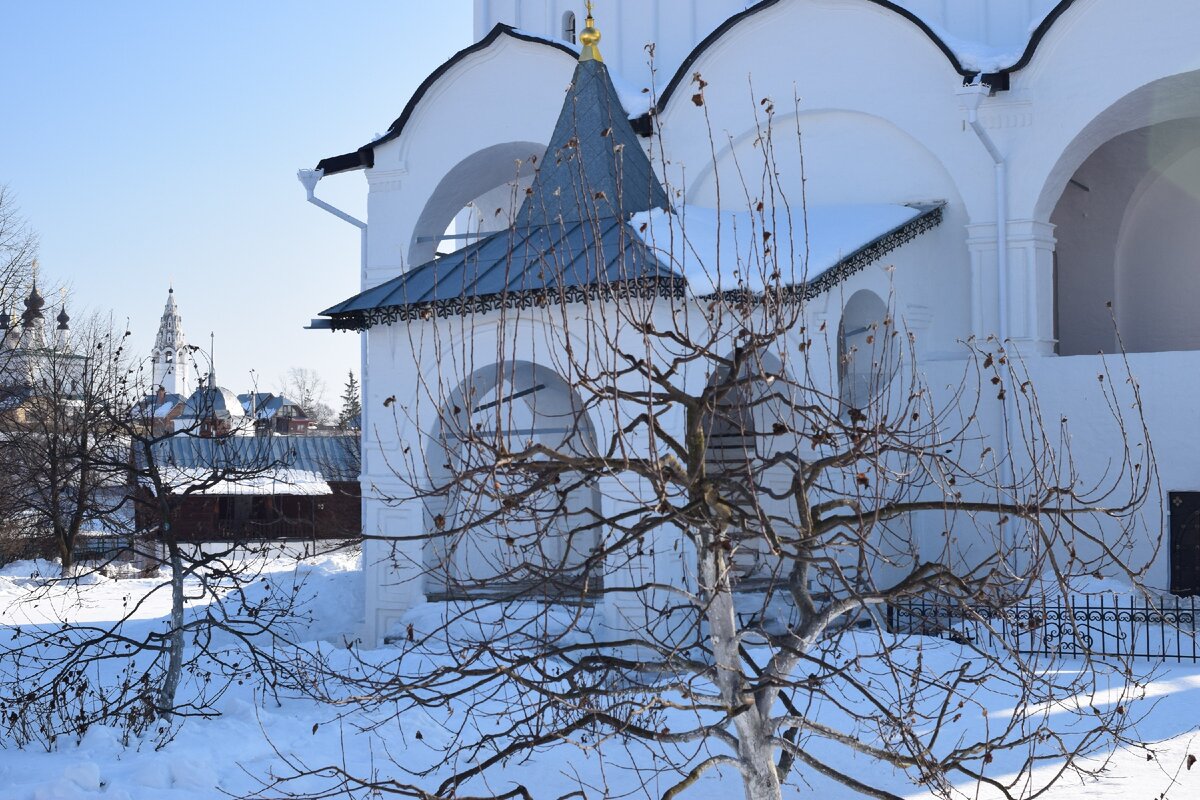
column 66, row 553
column 754, row 742
column 758, row 762
column 166, row 693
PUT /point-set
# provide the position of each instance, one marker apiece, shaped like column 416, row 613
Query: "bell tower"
column 170, row 355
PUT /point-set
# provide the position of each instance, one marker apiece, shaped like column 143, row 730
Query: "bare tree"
column 306, row 387
column 18, row 248
column 681, row 528
column 224, row 619
column 60, row 450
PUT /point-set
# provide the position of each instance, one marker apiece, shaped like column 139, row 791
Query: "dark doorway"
column 1185, row 543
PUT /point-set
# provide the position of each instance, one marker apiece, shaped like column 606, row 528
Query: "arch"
column 848, row 157
column 1110, row 255
column 546, row 536
column 867, row 356
column 509, row 164
column 1176, row 97
column 1124, row 229
column 743, row 433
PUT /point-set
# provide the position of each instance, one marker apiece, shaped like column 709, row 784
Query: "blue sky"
column 155, row 142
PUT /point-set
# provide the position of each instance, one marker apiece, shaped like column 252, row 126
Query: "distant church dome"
column 33, row 308
column 212, row 400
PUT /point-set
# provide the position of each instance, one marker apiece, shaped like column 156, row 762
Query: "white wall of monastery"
column 883, row 119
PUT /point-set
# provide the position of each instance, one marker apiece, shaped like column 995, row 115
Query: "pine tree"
column 351, row 404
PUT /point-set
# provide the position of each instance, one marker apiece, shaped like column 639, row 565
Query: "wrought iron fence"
column 1104, row 626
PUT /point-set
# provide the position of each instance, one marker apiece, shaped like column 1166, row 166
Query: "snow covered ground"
column 259, row 735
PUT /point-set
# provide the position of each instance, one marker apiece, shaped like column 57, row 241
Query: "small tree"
column 60, row 447
column 351, row 414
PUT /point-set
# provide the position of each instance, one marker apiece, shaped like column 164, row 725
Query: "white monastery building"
column 1026, row 170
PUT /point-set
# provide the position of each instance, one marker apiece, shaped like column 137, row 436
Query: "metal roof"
column 594, row 166
column 570, row 240
column 335, row 458
column 564, row 260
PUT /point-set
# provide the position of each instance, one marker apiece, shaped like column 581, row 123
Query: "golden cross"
column 589, row 7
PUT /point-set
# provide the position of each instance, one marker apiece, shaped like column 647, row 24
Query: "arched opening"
column 502, row 530
column 745, row 432
column 1123, row 199
column 478, row 196
column 868, row 356
column 568, row 26
column 1128, row 244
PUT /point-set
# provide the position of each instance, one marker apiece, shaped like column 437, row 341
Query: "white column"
column 1031, row 286
column 985, row 315
column 388, row 244
column 393, row 569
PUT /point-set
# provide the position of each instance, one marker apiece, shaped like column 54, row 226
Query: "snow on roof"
column 721, row 251
column 992, row 38
column 280, row 481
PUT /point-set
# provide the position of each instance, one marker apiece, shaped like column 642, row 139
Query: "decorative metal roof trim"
column 649, row 287
column 852, row 264
column 535, row 298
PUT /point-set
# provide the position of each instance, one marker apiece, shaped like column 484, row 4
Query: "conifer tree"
column 351, row 403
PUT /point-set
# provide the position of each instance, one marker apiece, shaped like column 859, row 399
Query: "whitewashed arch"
column 1164, row 100
column 464, row 119
column 867, row 355
column 520, row 403
column 1082, row 93
column 747, row 64
column 1126, row 236
column 506, row 166
column 741, row 437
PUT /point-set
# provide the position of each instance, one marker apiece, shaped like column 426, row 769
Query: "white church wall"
column 1169, row 384
column 878, row 100
column 985, row 33
column 627, row 26
column 861, row 61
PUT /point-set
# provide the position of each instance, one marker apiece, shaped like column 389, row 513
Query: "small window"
column 170, row 357
column 569, row 26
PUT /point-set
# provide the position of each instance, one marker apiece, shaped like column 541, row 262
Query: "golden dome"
column 589, row 37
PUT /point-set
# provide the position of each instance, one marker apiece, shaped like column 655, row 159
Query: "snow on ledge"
column 718, row 251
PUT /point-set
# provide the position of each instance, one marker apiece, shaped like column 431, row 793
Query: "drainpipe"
column 972, row 96
column 310, row 178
